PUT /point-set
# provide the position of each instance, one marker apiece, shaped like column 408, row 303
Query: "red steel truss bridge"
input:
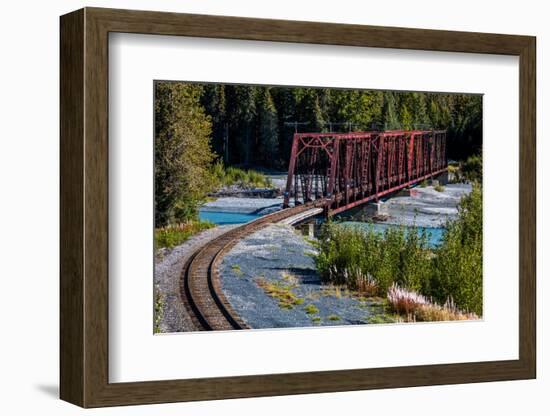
column 340, row 171
column 328, row 173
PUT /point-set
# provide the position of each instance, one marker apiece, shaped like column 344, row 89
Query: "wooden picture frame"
column 84, row 207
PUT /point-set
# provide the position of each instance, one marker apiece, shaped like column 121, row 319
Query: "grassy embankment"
column 420, row 283
column 173, row 235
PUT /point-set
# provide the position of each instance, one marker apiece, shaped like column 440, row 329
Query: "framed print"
column 259, row 207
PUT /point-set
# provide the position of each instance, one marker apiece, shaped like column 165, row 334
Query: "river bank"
column 425, row 206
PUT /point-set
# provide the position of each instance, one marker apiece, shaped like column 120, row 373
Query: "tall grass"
column 366, row 259
column 173, row 235
column 227, row 176
column 416, row 307
column 372, row 262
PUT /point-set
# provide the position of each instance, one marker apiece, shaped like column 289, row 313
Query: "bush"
column 372, row 263
column 235, row 176
column 368, row 261
column 472, row 169
column 458, row 269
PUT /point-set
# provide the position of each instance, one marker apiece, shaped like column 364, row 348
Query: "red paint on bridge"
column 350, row 169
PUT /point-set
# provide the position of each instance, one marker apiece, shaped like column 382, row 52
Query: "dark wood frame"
column 84, row 208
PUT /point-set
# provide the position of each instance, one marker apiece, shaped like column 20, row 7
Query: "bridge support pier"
column 311, row 230
column 441, row 179
column 376, row 209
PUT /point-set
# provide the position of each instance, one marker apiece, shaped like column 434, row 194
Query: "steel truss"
column 350, row 169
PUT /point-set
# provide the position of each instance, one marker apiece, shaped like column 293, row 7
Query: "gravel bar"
column 278, row 256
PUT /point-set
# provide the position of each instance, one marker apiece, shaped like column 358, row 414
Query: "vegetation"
column 457, row 269
column 311, row 309
column 246, row 178
column 383, row 319
column 183, row 154
column 365, row 259
column 472, row 168
column 173, row 235
column 158, row 312
column 439, row 188
column 281, row 292
column 373, row 263
column 237, row 270
column 416, row 307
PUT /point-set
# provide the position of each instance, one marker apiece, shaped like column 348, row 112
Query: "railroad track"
column 200, row 285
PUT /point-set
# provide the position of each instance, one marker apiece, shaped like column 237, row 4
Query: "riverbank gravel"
column 427, row 207
column 278, row 257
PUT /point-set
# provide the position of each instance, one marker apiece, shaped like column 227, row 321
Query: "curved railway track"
column 200, row 286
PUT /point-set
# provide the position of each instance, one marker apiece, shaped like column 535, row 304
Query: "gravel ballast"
column 168, row 268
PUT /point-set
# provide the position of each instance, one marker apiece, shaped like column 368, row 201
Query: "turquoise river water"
column 223, row 218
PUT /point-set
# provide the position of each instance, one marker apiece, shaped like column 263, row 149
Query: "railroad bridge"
column 330, row 173
column 339, row 171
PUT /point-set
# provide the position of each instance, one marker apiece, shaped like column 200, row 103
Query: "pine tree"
column 268, row 129
column 391, row 120
column 420, row 111
column 406, row 118
column 214, row 102
column 245, row 111
column 309, row 109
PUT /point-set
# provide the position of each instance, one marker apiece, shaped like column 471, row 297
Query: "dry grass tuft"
column 416, row 307
column 281, row 292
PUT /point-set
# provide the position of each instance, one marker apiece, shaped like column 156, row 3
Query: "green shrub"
column 453, row 272
column 458, row 264
column 472, row 169
column 158, row 311
column 227, row 176
column 352, row 255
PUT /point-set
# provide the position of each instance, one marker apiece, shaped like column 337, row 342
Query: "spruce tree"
column 268, row 131
column 391, row 120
